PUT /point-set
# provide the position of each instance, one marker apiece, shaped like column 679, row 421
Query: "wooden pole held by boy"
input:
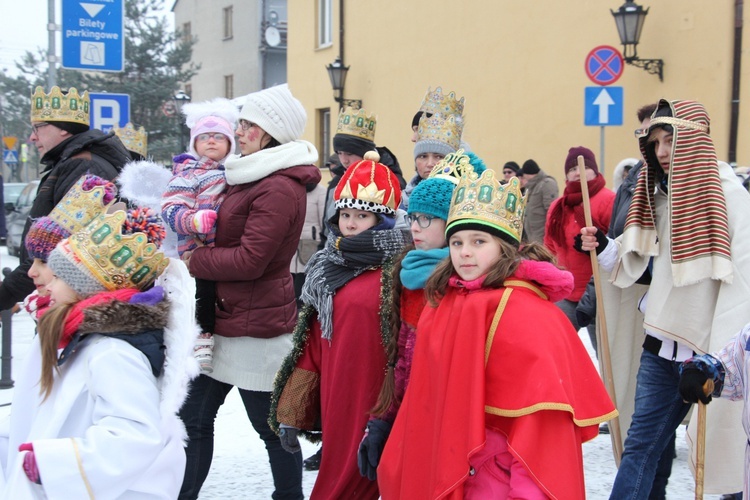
column 605, row 359
column 700, row 446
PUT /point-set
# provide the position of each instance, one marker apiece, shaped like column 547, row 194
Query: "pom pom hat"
column 588, row 159
column 370, row 186
column 277, row 112
column 217, row 115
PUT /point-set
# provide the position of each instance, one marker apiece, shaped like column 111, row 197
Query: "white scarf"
column 256, row 166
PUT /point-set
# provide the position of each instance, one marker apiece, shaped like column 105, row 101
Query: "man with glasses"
column 510, row 169
column 68, row 149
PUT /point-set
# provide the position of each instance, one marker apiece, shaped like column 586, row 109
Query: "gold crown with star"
column 133, row 139
column 357, row 122
column 440, row 128
column 60, row 107
column 370, row 186
column 436, row 102
column 113, row 259
column 483, row 203
column 452, row 167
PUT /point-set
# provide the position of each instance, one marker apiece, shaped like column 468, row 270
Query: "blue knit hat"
column 433, row 195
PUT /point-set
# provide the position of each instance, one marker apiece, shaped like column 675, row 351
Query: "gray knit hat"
column 277, row 112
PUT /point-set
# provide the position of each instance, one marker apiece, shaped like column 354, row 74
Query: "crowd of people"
column 425, row 331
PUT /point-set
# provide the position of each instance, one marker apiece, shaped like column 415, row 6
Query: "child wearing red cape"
column 502, row 392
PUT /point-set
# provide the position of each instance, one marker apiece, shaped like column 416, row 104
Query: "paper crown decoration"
column 358, row 123
column 133, row 139
column 115, row 259
column 452, row 167
column 482, row 202
column 446, row 129
column 436, row 102
column 370, row 186
column 59, row 107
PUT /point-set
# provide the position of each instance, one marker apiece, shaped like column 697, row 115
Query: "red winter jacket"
column 258, row 230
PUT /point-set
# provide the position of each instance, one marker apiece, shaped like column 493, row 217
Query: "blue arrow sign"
column 10, row 156
column 109, row 110
column 92, row 35
column 603, row 106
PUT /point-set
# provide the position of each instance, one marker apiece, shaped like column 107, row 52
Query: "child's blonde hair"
column 51, row 327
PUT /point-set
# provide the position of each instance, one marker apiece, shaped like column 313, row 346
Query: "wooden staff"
column 605, row 359
column 700, row 447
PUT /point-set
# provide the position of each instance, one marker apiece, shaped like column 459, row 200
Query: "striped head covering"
column 700, row 241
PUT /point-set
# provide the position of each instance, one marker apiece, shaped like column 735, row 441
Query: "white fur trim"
column 223, row 108
column 256, row 166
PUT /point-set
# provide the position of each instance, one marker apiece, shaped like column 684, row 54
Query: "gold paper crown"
column 132, row 139
column 117, row 261
column 59, row 107
column 80, row 206
column 452, row 167
column 442, row 128
column 435, row 102
column 358, row 123
column 484, row 201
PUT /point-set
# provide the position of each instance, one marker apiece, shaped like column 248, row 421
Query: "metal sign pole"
column 601, row 149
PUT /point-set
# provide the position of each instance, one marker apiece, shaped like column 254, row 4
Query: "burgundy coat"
column 257, row 233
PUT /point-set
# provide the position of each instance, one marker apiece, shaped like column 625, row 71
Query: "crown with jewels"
column 357, row 122
column 445, row 129
column 481, row 200
column 133, row 139
column 436, row 102
column 115, row 259
column 59, row 107
column 452, row 167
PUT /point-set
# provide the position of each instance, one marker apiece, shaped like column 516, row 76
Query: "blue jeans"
column 199, row 412
column 659, row 410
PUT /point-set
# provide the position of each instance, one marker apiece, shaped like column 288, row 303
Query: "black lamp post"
column 337, row 74
column 629, row 19
column 180, row 99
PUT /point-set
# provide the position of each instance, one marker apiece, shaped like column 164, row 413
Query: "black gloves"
column 289, row 439
column 691, row 386
column 601, row 238
column 371, row 447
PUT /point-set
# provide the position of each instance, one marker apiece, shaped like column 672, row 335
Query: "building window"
column 229, row 86
column 325, row 21
column 324, row 135
column 189, row 89
column 228, row 33
column 187, row 33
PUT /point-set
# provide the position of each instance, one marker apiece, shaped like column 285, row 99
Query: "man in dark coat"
column 68, row 149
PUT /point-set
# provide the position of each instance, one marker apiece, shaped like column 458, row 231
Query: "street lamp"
column 337, row 74
column 629, row 19
column 180, row 99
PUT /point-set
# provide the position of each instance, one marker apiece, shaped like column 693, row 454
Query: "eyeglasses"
column 35, row 128
column 211, row 135
column 422, row 220
column 245, row 125
column 641, row 132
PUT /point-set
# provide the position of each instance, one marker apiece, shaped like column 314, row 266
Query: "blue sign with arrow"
column 92, row 35
column 603, row 106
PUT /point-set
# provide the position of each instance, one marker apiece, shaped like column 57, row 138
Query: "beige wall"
column 520, row 66
column 238, row 56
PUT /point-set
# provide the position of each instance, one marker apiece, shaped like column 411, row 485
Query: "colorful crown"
column 59, row 107
column 114, row 259
column 133, row 140
column 435, row 102
column 452, row 167
column 440, row 128
column 481, row 201
column 370, row 186
column 358, row 123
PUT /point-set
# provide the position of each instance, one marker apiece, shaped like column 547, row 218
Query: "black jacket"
column 91, row 152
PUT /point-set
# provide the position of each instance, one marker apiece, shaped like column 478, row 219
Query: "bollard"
column 6, row 381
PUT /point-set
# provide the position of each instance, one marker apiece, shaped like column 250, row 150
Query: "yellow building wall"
column 520, row 66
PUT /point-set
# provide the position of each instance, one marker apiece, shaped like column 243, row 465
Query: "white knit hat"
column 277, row 112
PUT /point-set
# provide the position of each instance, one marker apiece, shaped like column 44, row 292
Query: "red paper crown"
column 370, row 186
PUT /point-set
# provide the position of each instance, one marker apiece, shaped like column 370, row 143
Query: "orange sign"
column 10, row 142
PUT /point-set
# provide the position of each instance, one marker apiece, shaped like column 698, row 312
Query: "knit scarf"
column 75, row 316
column 699, row 230
column 417, row 266
column 571, row 206
column 340, row 261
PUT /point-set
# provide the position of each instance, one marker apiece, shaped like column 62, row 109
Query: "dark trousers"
column 205, row 304
column 198, row 414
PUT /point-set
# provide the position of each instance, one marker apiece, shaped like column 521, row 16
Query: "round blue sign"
column 604, row 65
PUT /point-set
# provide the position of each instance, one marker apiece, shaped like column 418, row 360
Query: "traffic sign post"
column 109, row 110
column 92, row 35
column 604, row 65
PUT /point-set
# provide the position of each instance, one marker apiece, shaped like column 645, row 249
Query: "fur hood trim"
column 124, row 317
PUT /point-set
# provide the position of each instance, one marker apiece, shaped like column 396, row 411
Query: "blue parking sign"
column 603, row 106
column 109, row 110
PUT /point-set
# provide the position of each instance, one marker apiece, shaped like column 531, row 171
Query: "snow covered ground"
column 240, row 467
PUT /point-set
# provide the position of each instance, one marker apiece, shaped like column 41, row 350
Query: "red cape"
column 527, row 375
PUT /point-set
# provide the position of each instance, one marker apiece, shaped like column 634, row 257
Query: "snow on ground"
column 240, row 467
